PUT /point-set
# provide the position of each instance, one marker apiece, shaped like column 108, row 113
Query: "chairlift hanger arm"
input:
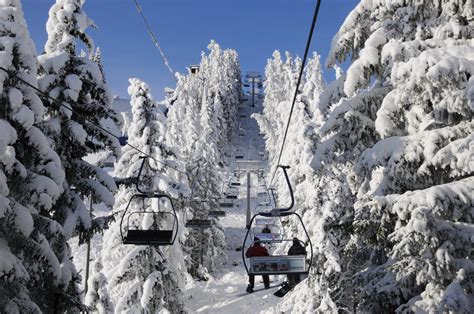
column 285, row 209
column 139, row 174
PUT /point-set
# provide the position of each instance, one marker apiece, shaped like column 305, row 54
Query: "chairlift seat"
column 278, row 265
column 235, row 184
column 239, row 157
column 198, row 223
column 217, row 213
column 226, row 205
column 149, row 237
column 232, row 197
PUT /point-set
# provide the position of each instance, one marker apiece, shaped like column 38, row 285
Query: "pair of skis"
column 284, row 289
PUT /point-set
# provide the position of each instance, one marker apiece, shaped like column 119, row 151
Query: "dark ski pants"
column 293, row 280
column 266, row 281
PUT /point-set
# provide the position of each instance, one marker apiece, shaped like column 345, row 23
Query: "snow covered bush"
column 36, row 272
column 76, row 82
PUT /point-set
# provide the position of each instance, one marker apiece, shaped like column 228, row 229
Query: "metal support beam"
column 202, row 247
column 88, row 252
column 248, row 201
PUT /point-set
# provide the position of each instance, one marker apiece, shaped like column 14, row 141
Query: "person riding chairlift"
column 266, row 229
column 295, row 249
column 257, row 250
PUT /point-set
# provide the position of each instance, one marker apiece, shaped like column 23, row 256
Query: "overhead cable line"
column 61, row 104
column 154, row 38
column 308, row 43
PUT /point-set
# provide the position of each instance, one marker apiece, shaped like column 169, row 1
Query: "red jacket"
column 256, row 250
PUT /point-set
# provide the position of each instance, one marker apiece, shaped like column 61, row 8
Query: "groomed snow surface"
column 225, row 291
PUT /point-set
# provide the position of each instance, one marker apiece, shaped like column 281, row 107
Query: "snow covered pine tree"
column 76, row 81
column 36, row 272
column 201, row 120
column 142, row 278
column 407, row 119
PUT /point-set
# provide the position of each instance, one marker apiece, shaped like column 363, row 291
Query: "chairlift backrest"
column 264, row 222
column 268, row 237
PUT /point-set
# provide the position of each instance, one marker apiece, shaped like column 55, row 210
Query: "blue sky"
column 255, row 28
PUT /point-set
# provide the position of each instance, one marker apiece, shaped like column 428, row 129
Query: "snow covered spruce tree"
column 201, row 121
column 280, row 77
column 36, row 272
column 76, row 82
column 145, row 278
column 321, row 196
column 407, row 122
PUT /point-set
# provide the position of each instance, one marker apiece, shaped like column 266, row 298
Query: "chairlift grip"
column 285, row 209
column 139, row 174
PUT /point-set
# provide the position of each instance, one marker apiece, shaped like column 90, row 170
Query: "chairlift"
column 138, row 236
column 278, row 264
column 235, row 184
column 226, row 205
column 217, row 213
column 239, row 157
column 231, row 197
column 198, row 223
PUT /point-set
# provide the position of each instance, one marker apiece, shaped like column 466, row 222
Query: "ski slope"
column 225, row 291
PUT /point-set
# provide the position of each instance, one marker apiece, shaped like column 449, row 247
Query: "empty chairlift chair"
column 198, row 223
column 131, row 230
column 216, row 213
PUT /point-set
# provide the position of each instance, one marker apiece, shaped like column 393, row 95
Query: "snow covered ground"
column 225, row 291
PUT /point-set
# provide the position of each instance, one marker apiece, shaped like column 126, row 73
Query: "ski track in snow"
column 225, row 291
